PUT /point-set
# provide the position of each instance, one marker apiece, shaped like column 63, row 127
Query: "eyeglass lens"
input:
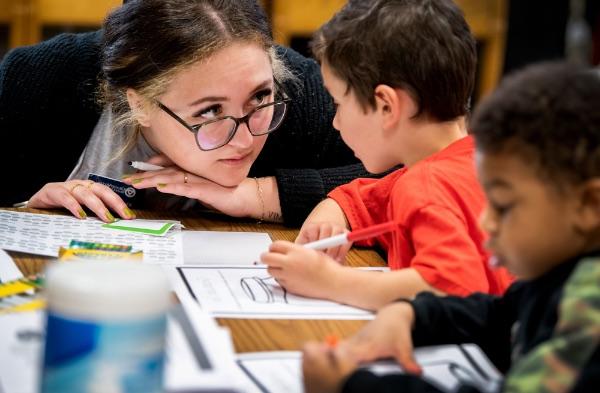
column 262, row 121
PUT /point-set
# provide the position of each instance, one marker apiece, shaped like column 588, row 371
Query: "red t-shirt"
column 437, row 203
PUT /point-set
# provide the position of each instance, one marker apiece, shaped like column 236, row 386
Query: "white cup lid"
column 106, row 289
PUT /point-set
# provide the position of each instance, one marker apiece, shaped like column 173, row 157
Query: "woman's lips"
column 236, row 160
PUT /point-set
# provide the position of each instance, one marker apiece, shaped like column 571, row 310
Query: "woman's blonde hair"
column 147, row 42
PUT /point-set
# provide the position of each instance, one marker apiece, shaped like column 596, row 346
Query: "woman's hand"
column 314, row 231
column 302, row 271
column 233, row 201
column 388, row 335
column 239, row 201
column 74, row 194
column 324, row 368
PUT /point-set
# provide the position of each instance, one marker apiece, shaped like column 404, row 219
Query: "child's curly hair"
column 549, row 115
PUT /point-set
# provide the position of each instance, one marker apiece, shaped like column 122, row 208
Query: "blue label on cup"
column 84, row 356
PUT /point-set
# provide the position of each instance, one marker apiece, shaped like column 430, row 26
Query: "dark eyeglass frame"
column 194, row 129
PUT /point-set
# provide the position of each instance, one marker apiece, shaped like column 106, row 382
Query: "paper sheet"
column 200, row 354
column 249, row 292
column 8, row 270
column 21, row 343
column 43, row 234
column 444, row 366
column 223, row 248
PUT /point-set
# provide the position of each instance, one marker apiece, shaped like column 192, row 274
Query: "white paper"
column 444, row 366
column 249, row 292
column 208, row 365
column 8, row 270
column 223, row 248
column 20, row 352
column 43, row 234
column 275, row 371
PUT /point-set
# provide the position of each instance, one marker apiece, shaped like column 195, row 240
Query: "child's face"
column 530, row 224
column 359, row 129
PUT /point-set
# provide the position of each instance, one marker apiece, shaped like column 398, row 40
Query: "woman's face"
column 231, row 82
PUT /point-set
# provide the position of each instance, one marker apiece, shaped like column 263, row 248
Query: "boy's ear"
column 138, row 107
column 394, row 104
column 588, row 209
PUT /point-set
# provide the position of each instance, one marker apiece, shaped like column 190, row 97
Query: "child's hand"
column 314, row 231
column 389, row 335
column 324, row 368
column 300, row 270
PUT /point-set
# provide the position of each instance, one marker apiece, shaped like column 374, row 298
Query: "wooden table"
column 248, row 335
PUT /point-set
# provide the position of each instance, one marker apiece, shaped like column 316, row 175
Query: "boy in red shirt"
column 402, row 90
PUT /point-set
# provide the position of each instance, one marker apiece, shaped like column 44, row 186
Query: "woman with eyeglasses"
column 238, row 124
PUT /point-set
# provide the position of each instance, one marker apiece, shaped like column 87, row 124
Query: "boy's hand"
column 389, row 335
column 324, row 368
column 300, row 270
column 314, row 231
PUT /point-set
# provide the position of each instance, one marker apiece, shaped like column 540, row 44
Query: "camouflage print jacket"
column 543, row 333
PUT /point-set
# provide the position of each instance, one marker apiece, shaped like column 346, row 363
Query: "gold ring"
column 75, row 186
column 185, row 177
column 90, row 185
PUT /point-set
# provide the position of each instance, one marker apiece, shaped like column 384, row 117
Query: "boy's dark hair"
column 422, row 46
column 549, row 116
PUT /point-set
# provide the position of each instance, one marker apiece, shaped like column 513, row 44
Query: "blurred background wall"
column 510, row 33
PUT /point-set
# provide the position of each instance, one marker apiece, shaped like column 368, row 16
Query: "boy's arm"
column 326, row 220
column 481, row 319
column 365, row 381
column 373, row 290
column 311, row 273
column 329, row 211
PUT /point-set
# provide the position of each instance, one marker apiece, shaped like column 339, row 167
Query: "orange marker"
column 332, row 341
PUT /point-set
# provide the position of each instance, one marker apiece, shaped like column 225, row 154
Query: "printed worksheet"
column 445, row 366
column 43, row 234
column 250, row 292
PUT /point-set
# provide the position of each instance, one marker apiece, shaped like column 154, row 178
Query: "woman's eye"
column 209, row 113
column 261, row 97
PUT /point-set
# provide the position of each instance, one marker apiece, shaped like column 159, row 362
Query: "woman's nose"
column 242, row 138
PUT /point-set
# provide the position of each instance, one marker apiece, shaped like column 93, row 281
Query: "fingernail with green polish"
column 82, row 213
column 124, row 177
column 135, row 181
column 129, row 213
column 109, row 216
column 160, row 185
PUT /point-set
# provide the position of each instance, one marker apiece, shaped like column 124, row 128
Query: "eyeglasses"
column 218, row 132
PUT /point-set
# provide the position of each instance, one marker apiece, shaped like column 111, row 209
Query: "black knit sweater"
column 48, row 110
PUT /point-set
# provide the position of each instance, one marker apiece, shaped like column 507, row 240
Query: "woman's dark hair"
column 422, row 46
column 145, row 39
column 146, row 42
column 548, row 116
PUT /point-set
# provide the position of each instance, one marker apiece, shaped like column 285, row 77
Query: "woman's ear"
column 588, row 207
column 138, row 107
